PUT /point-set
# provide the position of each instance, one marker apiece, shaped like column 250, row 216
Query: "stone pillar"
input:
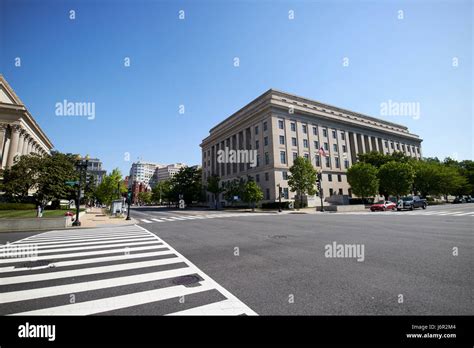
column 21, row 142
column 13, row 145
column 25, row 144
column 3, row 134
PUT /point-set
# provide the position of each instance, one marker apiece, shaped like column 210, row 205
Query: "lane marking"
column 225, row 307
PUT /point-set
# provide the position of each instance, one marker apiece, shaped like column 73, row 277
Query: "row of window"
column 304, row 128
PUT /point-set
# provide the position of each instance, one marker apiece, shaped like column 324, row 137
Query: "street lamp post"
column 320, row 189
column 279, row 198
column 81, row 167
column 129, row 199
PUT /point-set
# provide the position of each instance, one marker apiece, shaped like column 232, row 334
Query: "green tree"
column 234, row 188
column 161, row 191
column 144, row 197
column 428, row 177
column 302, row 178
column 362, row 177
column 186, row 182
column 111, row 187
column 45, row 176
column 252, row 194
column 396, row 178
column 213, row 186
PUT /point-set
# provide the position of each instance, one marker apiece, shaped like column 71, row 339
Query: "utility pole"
column 279, row 198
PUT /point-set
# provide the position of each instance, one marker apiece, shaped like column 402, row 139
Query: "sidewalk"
column 95, row 217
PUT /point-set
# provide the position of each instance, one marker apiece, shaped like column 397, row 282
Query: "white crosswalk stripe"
column 200, row 217
column 410, row 213
column 110, row 269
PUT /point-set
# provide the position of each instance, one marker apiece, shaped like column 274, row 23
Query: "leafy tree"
column 396, row 178
column 452, row 182
column 187, row 182
column 144, row 197
column 234, row 188
column 161, row 191
column 427, row 179
column 108, row 190
column 252, row 193
column 378, row 159
column 302, row 178
column 46, row 176
column 214, row 187
column 363, row 179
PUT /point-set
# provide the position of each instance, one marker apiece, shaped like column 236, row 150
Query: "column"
column 3, row 133
column 13, row 145
column 25, row 145
column 362, row 143
column 30, row 146
column 21, row 142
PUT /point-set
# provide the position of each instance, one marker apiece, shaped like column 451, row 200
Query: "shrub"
column 17, row 206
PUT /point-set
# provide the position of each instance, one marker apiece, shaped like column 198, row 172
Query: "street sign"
column 72, row 183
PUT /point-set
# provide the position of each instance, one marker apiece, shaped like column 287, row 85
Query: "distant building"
column 94, row 167
column 138, row 187
column 19, row 133
column 165, row 173
column 142, row 172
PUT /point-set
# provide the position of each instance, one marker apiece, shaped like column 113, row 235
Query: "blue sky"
column 190, row 62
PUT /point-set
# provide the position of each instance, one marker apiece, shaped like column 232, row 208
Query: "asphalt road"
column 282, row 258
column 274, row 264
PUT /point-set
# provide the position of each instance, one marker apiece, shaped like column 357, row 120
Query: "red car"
column 383, row 206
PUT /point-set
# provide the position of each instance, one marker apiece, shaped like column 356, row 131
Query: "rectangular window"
column 305, row 143
column 318, row 161
column 266, row 177
column 282, row 140
column 391, row 145
column 305, row 129
column 344, row 148
column 418, row 150
column 267, row 193
column 256, row 129
column 283, row 157
column 265, row 126
column 398, row 146
column 334, row 147
column 326, row 146
column 280, row 124
column 295, row 154
column 316, row 144
column 256, row 144
column 257, row 177
column 346, row 164
column 315, row 130
column 284, row 175
column 331, row 192
column 265, row 141
column 336, row 162
column 258, row 160
column 267, row 158
column 329, row 177
column 328, row 162
column 343, row 136
column 339, row 177
column 386, row 144
column 334, row 134
column 293, row 141
column 285, row 192
column 306, row 156
column 340, row 192
column 325, row 132
column 293, row 127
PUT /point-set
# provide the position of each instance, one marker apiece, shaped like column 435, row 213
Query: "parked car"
column 458, row 200
column 411, row 202
column 383, row 206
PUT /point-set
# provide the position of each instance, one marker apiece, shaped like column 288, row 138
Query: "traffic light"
column 129, row 195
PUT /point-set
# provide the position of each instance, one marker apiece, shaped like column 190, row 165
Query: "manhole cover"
column 279, row 236
column 31, row 264
column 186, row 280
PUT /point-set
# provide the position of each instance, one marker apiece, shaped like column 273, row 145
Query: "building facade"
column 278, row 127
column 19, row 132
column 94, row 167
column 163, row 173
column 142, row 172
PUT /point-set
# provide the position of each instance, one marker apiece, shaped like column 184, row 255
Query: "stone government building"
column 281, row 126
column 19, row 132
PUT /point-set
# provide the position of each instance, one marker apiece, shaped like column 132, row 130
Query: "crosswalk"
column 111, row 271
column 198, row 217
column 455, row 213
